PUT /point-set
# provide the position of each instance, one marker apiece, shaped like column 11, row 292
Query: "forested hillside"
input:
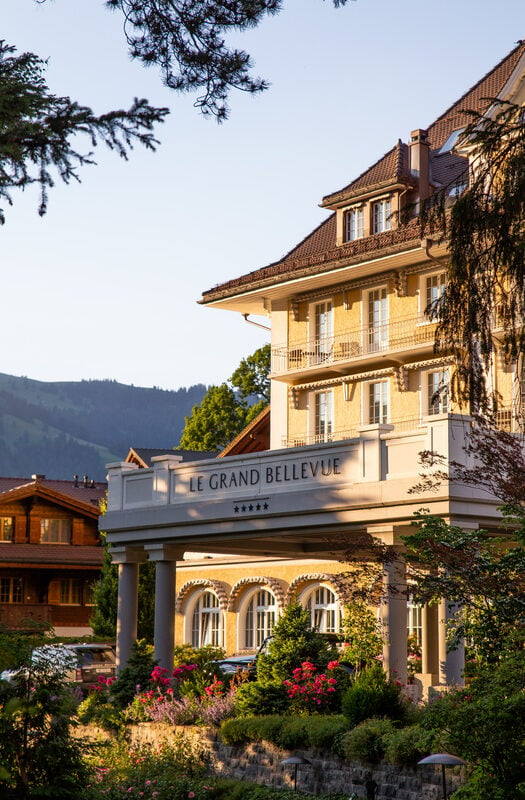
column 62, row 429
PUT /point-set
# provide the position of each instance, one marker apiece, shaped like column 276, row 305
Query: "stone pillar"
column 451, row 662
column 128, row 560
column 394, row 618
column 165, row 557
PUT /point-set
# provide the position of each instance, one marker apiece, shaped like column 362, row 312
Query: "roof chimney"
column 420, row 161
column 37, row 477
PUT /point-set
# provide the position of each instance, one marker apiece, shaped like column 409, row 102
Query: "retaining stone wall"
column 260, row 762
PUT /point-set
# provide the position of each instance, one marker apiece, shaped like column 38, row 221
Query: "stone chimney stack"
column 420, row 161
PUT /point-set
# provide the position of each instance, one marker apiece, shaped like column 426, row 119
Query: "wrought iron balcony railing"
column 401, row 334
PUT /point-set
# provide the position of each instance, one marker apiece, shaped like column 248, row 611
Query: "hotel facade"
column 358, row 393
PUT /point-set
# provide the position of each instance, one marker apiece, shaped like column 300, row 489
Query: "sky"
column 106, row 284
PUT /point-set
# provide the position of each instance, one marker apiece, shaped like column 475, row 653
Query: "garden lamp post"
column 446, row 760
column 296, row 762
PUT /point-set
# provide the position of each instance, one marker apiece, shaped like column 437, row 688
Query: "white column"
column 165, row 558
column 451, row 662
column 128, row 560
column 394, row 618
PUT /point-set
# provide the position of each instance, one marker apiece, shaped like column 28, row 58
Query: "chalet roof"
column 254, row 438
column 142, row 455
column 62, row 492
column 320, row 248
column 58, row 555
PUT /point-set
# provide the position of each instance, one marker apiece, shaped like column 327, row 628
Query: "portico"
column 301, row 502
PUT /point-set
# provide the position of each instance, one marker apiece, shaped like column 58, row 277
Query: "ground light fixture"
column 295, row 761
column 446, row 760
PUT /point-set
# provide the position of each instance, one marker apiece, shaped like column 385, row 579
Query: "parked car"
column 81, row 664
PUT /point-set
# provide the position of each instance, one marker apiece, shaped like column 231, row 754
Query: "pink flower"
column 332, row 664
column 191, row 794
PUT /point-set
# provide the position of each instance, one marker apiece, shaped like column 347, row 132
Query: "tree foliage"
column 37, row 129
column 486, row 266
column 226, row 409
column 186, row 39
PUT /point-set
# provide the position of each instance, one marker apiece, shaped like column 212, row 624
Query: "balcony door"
column 323, row 331
column 377, row 317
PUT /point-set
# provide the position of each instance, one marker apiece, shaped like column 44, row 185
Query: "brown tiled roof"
column 319, row 247
column 86, row 494
column 84, row 499
column 254, row 438
column 392, row 167
column 56, row 554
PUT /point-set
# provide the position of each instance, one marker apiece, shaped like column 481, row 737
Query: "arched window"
column 259, row 618
column 206, row 625
column 323, row 607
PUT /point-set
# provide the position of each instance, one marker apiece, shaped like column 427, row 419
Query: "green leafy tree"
column 252, row 376
column 226, row 409
column 485, row 725
column 39, row 756
column 38, row 130
column 361, row 633
column 105, row 599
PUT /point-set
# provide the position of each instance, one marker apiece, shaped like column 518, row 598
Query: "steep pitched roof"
column 58, row 491
column 254, row 438
column 318, row 250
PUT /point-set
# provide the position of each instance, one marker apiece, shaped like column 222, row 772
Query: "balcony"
column 343, row 351
column 399, row 425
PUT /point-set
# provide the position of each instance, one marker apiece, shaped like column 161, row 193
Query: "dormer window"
column 354, row 224
column 381, row 215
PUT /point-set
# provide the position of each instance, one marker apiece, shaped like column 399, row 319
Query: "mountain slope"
column 66, row 428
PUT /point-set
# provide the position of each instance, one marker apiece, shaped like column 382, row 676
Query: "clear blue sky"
column 106, row 284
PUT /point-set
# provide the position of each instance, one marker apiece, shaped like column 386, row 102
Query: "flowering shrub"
column 308, row 691
column 98, row 708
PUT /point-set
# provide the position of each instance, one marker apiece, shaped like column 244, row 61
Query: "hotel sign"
column 257, row 476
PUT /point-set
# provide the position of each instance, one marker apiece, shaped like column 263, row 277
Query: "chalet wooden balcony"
column 344, row 350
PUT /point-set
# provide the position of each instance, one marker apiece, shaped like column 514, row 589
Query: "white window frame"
column 415, row 620
column 434, row 380
column 322, row 603
column 381, row 215
column 258, row 615
column 376, row 392
column 322, row 423
column 429, row 293
column 354, row 220
column 321, row 316
column 204, row 620
column 376, row 319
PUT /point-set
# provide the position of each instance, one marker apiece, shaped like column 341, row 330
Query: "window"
column 322, row 332
column 260, row 618
column 434, row 288
column 206, row 621
column 381, row 215
column 414, row 622
column 6, row 529
column 323, row 608
column 354, row 224
column 378, row 403
column 437, row 392
column 70, row 592
column 55, row 531
column 377, row 318
column 323, row 416
column 11, row 590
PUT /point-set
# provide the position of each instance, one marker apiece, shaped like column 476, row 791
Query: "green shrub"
column 293, row 642
column 137, row 672
column 365, row 743
column 97, row 709
column 321, row 732
column 404, row 747
column 240, row 790
column 372, row 694
column 259, row 699
column 251, row 729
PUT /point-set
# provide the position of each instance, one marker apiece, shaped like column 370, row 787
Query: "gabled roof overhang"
column 345, row 198
column 257, row 296
column 45, row 493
